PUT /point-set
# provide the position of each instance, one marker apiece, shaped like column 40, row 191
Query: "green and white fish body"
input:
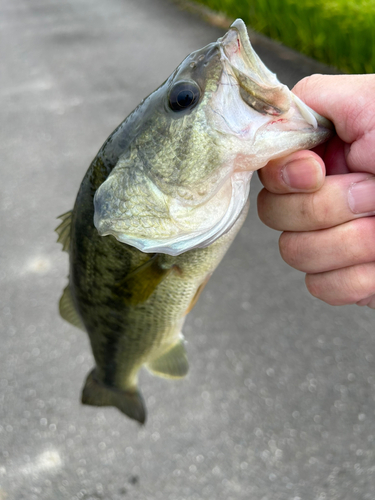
column 161, row 203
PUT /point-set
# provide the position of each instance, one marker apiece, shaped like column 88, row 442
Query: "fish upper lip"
column 259, row 87
column 264, row 92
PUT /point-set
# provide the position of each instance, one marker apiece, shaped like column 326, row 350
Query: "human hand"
column 328, row 230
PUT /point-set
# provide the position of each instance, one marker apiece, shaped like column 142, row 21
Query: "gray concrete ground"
column 279, row 403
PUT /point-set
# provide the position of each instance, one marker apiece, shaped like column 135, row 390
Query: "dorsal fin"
column 63, row 230
column 68, row 311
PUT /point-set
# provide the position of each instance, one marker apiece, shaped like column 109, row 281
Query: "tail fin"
column 96, row 393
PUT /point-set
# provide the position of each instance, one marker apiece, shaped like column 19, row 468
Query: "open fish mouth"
column 258, row 86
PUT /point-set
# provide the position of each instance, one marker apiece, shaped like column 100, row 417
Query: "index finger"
column 347, row 101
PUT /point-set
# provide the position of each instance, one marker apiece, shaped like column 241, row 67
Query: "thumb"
column 302, row 171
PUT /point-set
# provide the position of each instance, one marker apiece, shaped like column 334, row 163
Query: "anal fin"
column 173, row 363
column 68, row 311
column 130, row 403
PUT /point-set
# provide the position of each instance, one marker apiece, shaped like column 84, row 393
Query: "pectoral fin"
column 139, row 285
column 130, row 403
column 173, row 363
column 68, row 311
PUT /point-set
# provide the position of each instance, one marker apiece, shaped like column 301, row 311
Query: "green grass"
column 337, row 32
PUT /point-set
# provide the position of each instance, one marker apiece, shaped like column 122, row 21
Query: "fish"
column 160, row 205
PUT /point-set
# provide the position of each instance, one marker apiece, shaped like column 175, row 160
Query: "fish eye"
column 183, row 95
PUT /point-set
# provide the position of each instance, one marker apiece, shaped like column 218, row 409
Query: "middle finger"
column 338, row 247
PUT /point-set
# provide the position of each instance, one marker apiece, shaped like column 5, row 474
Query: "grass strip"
column 340, row 33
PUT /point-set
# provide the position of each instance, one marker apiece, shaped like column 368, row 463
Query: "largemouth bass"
column 161, row 203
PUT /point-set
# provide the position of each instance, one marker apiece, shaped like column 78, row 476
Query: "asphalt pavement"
column 279, row 403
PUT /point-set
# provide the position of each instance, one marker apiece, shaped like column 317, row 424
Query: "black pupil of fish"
column 185, row 98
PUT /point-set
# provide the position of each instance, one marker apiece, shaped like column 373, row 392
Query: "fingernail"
column 304, row 174
column 361, row 197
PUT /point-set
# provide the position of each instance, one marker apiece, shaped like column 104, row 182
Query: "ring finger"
column 349, row 285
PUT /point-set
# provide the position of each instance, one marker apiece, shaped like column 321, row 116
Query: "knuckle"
column 371, row 302
column 266, row 208
column 359, row 282
column 315, row 211
column 358, row 237
column 351, row 241
column 265, row 174
column 261, row 205
column 290, row 249
column 314, row 285
column 328, row 287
